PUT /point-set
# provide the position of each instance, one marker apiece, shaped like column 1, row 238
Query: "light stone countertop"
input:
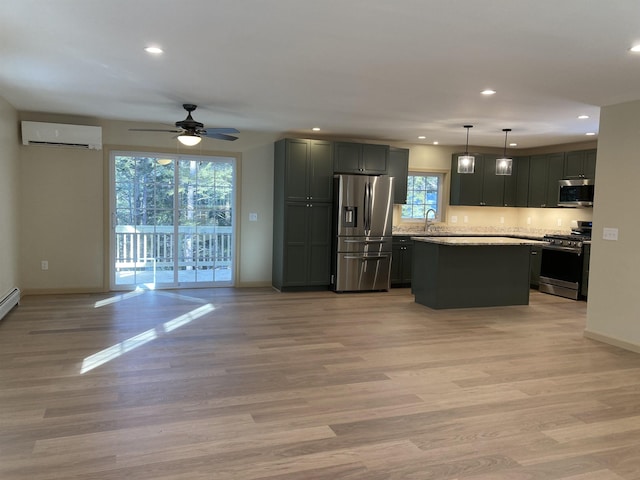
column 443, row 230
column 475, row 241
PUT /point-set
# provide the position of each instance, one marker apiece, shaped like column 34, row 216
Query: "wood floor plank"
column 253, row 384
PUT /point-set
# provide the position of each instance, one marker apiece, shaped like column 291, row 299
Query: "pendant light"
column 504, row 165
column 466, row 162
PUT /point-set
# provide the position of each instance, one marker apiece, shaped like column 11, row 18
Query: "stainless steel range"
column 562, row 262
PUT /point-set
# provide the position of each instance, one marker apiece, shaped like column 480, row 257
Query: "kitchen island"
column 461, row 272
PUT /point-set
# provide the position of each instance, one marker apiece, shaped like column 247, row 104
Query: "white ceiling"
column 379, row 69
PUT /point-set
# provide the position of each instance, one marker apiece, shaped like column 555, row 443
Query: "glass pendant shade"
column 504, row 165
column 466, row 162
column 189, row 139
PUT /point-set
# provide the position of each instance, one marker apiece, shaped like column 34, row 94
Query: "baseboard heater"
column 10, row 300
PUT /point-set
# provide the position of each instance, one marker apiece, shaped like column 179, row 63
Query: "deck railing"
column 147, row 246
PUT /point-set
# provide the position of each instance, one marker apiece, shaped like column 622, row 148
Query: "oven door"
column 561, row 271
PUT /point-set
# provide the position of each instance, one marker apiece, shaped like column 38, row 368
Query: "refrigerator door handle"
column 369, row 205
column 381, row 240
column 365, row 205
column 366, row 257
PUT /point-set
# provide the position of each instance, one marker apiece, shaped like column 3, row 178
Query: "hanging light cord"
column 506, row 132
column 466, row 148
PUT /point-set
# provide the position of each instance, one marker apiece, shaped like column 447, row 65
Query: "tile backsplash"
column 498, row 220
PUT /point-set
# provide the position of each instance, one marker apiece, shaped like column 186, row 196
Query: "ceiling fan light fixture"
column 504, row 165
column 466, row 162
column 189, row 139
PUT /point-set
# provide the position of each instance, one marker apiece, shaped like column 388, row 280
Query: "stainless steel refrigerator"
column 363, row 214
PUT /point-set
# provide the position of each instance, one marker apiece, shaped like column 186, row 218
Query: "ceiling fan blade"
column 153, row 130
column 207, row 131
column 219, row 136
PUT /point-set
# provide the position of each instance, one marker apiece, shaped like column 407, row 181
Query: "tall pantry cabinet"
column 302, row 214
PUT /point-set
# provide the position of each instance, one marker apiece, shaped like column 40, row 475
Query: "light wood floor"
column 255, row 384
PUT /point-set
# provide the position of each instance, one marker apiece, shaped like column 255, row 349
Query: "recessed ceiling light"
column 421, row 137
column 583, row 117
column 153, row 50
column 436, row 143
column 316, row 129
column 488, row 91
column 635, row 48
column 590, row 134
column 513, row 144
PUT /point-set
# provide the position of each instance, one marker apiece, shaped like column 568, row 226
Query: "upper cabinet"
column 399, row 170
column 544, row 173
column 533, row 182
column 516, row 185
column 580, row 164
column 360, row 158
column 307, row 169
column 483, row 187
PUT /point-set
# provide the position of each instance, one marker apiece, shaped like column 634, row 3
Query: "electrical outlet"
column 610, row 234
column 559, row 222
column 466, row 219
column 44, row 265
column 501, row 219
column 528, row 220
column 454, row 219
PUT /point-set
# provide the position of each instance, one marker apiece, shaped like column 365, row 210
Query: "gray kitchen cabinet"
column 584, row 287
column 466, row 188
column 534, row 270
column 399, row 170
column 544, row 173
column 401, row 260
column 307, row 253
column 308, row 170
column 360, row 158
column 516, row 185
column 492, row 184
column 580, row 164
column 481, row 188
column 302, row 214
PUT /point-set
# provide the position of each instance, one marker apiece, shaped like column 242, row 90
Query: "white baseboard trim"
column 616, row 342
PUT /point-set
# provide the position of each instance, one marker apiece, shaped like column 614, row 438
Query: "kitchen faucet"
column 426, row 219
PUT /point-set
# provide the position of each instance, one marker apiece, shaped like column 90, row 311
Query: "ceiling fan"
column 191, row 131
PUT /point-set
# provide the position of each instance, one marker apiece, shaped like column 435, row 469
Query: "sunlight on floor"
column 115, row 351
column 119, row 298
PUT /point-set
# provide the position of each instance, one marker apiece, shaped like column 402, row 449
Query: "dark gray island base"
column 457, row 272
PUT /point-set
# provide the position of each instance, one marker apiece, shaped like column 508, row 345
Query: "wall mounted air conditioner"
column 61, row 135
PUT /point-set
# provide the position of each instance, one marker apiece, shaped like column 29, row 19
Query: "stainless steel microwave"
column 576, row 192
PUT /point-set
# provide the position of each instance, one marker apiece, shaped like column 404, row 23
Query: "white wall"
column 61, row 219
column 614, row 281
column 65, row 195
column 9, row 191
column 256, row 238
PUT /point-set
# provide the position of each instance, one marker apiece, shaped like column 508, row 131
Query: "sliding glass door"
column 173, row 220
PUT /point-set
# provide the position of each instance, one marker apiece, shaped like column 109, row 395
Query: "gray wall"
column 9, row 184
column 613, row 315
column 64, row 196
